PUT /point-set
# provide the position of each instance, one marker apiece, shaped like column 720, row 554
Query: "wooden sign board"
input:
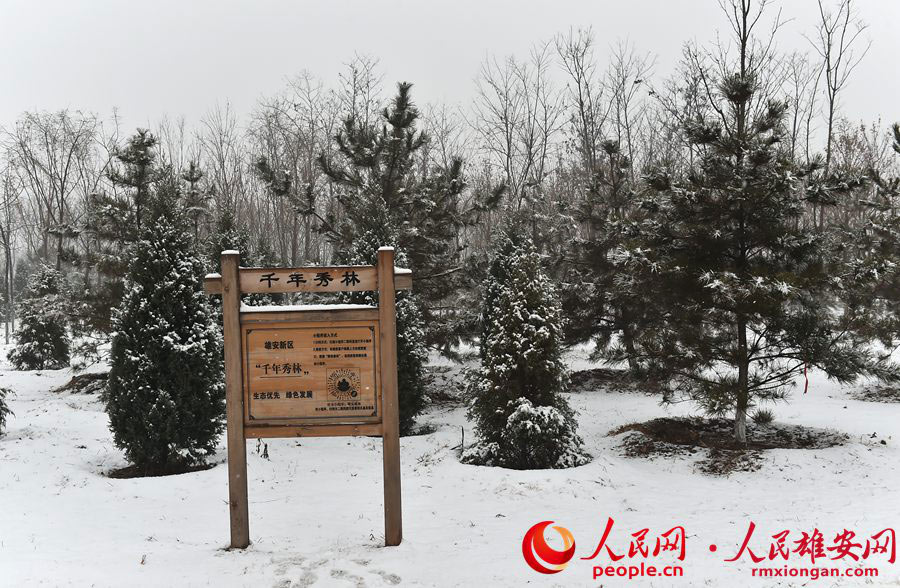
column 307, row 371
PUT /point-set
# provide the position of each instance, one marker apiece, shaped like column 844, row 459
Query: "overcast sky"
column 181, row 57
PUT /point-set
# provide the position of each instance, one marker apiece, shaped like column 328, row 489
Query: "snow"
column 304, row 307
column 316, row 504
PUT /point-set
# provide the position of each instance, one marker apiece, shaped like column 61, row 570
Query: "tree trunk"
column 295, row 238
column 628, row 342
column 743, row 393
column 7, row 287
column 59, row 250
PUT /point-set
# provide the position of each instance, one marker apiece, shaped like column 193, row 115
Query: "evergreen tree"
column 114, row 222
column 226, row 235
column 165, row 399
column 600, row 301
column 746, row 295
column 4, row 409
column 385, row 203
column 381, row 184
column 195, row 197
column 412, row 379
column 42, row 341
column 136, row 173
column 873, row 273
column 521, row 417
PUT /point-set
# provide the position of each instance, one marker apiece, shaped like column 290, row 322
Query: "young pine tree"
column 746, row 295
column 382, row 185
column 521, row 417
column 411, row 355
column 114, row 223
column 166, row 394
column 385, row 202
column 601, row 302
column 42, row 341
column 225, row 234
column 4, row 409
column 873, row 268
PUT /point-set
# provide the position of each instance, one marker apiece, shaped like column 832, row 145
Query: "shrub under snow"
column 4, row 410
column 535, row 437
column 165, row 398
column 42, row 342
column 521, row 418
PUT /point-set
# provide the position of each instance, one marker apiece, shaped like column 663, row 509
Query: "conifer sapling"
column 521, row 418
column 42, row 341
column 166, row 393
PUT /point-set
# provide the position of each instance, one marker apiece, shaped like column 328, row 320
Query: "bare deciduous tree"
column 625, row 81
column 839, row 45
column 52, row 154
column 518, row 114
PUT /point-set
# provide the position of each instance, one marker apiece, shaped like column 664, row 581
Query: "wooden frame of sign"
column 322, row 371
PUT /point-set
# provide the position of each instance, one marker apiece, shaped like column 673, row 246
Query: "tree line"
column 719, row 231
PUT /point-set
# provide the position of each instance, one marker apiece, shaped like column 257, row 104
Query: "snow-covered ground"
column 316, row 504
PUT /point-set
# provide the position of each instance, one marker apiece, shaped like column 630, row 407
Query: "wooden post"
column 387, row 317
column 234, row 401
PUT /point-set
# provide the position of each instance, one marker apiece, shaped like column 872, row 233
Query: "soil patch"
column 666, row 437
column 608, row 379
column 134, row 471
column 878, row 394
column 94, row 383
column 423, row 429
column 447, row 384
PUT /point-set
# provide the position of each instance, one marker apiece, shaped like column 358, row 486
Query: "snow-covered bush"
column 535, row 437
column 165, row 397
column 42, row 342
column 521, row 417
column 4, row 409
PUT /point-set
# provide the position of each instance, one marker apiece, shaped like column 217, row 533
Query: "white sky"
column 181, row 57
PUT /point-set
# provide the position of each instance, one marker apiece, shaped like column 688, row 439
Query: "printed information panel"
column 311, row 372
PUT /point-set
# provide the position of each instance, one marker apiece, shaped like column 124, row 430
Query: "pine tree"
column 521, row 418
column 746, row 295
column 42, row 341
column 227, row 234
column 114, row 223
column 165, row 399
column 196, row 198
column 873, row 271
column 412, row 379
column 381, row 184
column 600, row 301
column 136, row 173
column 385, row 203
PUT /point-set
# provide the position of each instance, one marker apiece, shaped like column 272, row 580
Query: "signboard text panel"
column 311, row 371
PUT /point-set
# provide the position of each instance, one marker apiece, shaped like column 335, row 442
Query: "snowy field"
column 316, row 504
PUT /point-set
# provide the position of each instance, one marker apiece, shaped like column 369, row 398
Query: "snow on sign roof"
column 308, row 307
column 230, row 252
column 401, row 271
